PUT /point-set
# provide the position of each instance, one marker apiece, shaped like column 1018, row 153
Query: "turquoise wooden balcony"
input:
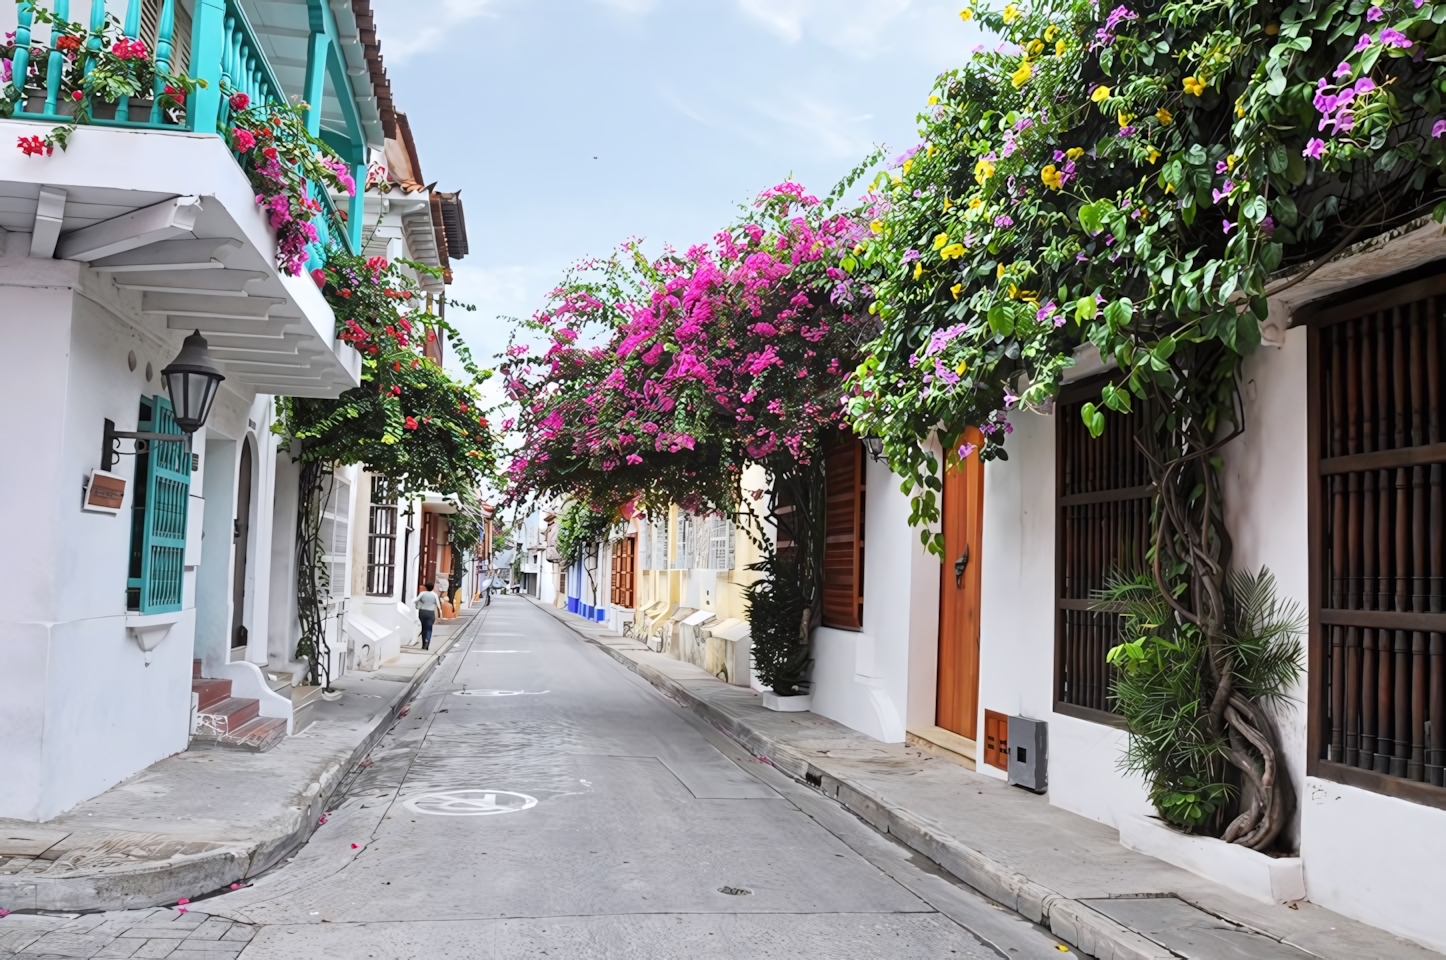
column 271, row 51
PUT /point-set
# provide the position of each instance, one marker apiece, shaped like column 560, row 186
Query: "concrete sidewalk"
column 209, row 817
column 1064, row 871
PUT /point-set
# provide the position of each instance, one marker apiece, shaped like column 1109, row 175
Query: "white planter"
column 773, row 701
column 1268, row 879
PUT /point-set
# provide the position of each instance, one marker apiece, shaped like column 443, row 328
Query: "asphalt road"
column 540, row 800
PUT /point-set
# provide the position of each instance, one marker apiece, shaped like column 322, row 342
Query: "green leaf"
column 1118, row 313
column 1087, row 307
column 1000, row 320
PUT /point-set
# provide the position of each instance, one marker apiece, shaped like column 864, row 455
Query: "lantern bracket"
column 111, row 451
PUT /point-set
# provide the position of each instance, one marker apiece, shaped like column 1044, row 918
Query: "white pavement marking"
column 499, row 693
column 499, row 651
column 469, row 803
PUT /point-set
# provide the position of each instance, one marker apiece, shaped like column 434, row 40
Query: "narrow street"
column 540, row 800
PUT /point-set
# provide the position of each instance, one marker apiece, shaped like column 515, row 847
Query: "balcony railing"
column 222, row 50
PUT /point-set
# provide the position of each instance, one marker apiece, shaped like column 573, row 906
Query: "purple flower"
column 1228, row 226
column 1344, row 70
column 1222, row 167
column 1127, row 131
column 1004, row 221
column 1438, row 128
column 1345, row 121
column 966, row 451
column 1045, row 311
column 1362, row 43
column 1080, row 257
column 1374, row 14
column 1392, row 37
column 1222, row 194
column 1058, row 154
column 1314, row 147
column 1267, row 226
column 1364, row 86
column 1009, row 399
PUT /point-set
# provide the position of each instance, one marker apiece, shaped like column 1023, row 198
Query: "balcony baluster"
column 55, row 63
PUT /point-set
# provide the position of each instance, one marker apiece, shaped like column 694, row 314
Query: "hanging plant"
column 286, row 166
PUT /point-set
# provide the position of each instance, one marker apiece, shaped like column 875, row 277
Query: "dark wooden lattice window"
column 382, row 538
column 1102, row 528
column 1378, row 630
column 843, row 532
column 624, row 567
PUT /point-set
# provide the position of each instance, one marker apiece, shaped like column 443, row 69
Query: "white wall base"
column 249, row 682
column 773, row 701
column 1268, row 879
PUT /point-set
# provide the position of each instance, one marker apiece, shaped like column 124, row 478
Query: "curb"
column 159, row 884
column 1081, row 926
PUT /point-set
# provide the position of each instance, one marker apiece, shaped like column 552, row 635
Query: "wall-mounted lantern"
column 191, row 380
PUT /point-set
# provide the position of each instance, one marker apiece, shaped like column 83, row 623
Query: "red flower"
column 344, row 294
column 67, row 42
column 240, row 101
column 269, row 153
column 319, row 275
column 34, row 146
column 396, row 390
column 243, row 139
column 411, row 423
column 76, row 94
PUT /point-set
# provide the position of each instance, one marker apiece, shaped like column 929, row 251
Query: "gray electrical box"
column 1029, row 753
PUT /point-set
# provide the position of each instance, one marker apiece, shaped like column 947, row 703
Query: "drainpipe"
column 407, row 552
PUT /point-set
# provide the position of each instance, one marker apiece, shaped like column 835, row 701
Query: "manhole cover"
column 499, row 693
column 735, row 891
column 469, row 803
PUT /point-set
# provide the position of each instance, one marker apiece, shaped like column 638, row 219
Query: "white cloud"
column 854, row 26
column 400, row 23
column 630, row 7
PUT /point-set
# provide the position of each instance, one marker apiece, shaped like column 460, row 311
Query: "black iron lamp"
column 191, row 380
column 875, row 447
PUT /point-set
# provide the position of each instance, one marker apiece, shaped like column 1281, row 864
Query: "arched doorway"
column 241, row 535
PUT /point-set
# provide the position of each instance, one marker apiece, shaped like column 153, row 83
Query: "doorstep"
column 201, row 820
column 944, row 743
column 1066, row 872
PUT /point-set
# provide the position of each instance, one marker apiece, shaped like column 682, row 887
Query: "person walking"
column 427, row 603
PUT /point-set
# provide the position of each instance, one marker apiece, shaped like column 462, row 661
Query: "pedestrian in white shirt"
column 427, row 603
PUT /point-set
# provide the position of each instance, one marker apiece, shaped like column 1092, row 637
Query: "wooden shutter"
column 843, row 532
column 996, row 740
column 1102, row 529
column 624, row 565
column 1377, row 666
column 161, row 523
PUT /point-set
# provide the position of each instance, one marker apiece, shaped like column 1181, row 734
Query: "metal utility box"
column 1029, row 753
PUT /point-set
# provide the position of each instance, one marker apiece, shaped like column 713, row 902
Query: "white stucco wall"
column 80, row 707
column 875, row 679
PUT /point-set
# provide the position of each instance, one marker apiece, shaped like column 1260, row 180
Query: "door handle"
column 959, row 566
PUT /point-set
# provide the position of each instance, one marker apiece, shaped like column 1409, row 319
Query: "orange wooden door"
column 963, row 523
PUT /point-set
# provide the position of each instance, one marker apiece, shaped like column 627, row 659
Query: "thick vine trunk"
column 1192, row 545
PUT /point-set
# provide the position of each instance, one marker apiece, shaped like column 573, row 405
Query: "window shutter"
column 645, row 545
column 163, row 523
column 719, row 530
column 732, row 558
column 843, row 594
column 335, row 520
column 680, row 551
column 660, row 544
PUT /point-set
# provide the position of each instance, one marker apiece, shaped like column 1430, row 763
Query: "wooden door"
column 241, row 533
column 959, row 586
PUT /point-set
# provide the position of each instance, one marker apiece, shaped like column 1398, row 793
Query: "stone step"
column 211, row 692
column 226, row 717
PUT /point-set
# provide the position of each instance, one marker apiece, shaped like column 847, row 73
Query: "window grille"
column 1102, row 530
column 843, row 531
column 720, row 534
column 382, row 538
column 645, row 545
column 159, row 510
column 1378, row 510
column 683, row 552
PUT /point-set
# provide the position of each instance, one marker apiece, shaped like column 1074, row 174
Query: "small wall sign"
column 104, row 492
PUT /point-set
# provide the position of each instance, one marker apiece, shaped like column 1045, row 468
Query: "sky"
column 573, row 125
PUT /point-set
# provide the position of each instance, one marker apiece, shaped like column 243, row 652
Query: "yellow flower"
column 1059, row 48
column 896, row 179
column 940, row 241
column 1050, row 32
column 947, row 204
column 966, row 14
column 1230, row 162
column 1101, row 94
column 975, row 203
column 918, row 269
column 1164, row 116
column 953, row 251
column 1153, row 155
column 983, row 170
column 999, row 274
column 1052, row 177
column 957, row 289
column 858, row 249
column 1011, row 13
column 1271, row 29
column 1125, row 118
column 929, row 150
column 1013, row 291
column 877, row 226
column 908, row 165
column 1169, row 188
column 1035, row 48
column 1194, row 87
column 1074, row 153
column 933, row 99
column 1020, row 76
column 1240, row 107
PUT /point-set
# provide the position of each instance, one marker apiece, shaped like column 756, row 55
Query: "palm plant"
column 1164, row 687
